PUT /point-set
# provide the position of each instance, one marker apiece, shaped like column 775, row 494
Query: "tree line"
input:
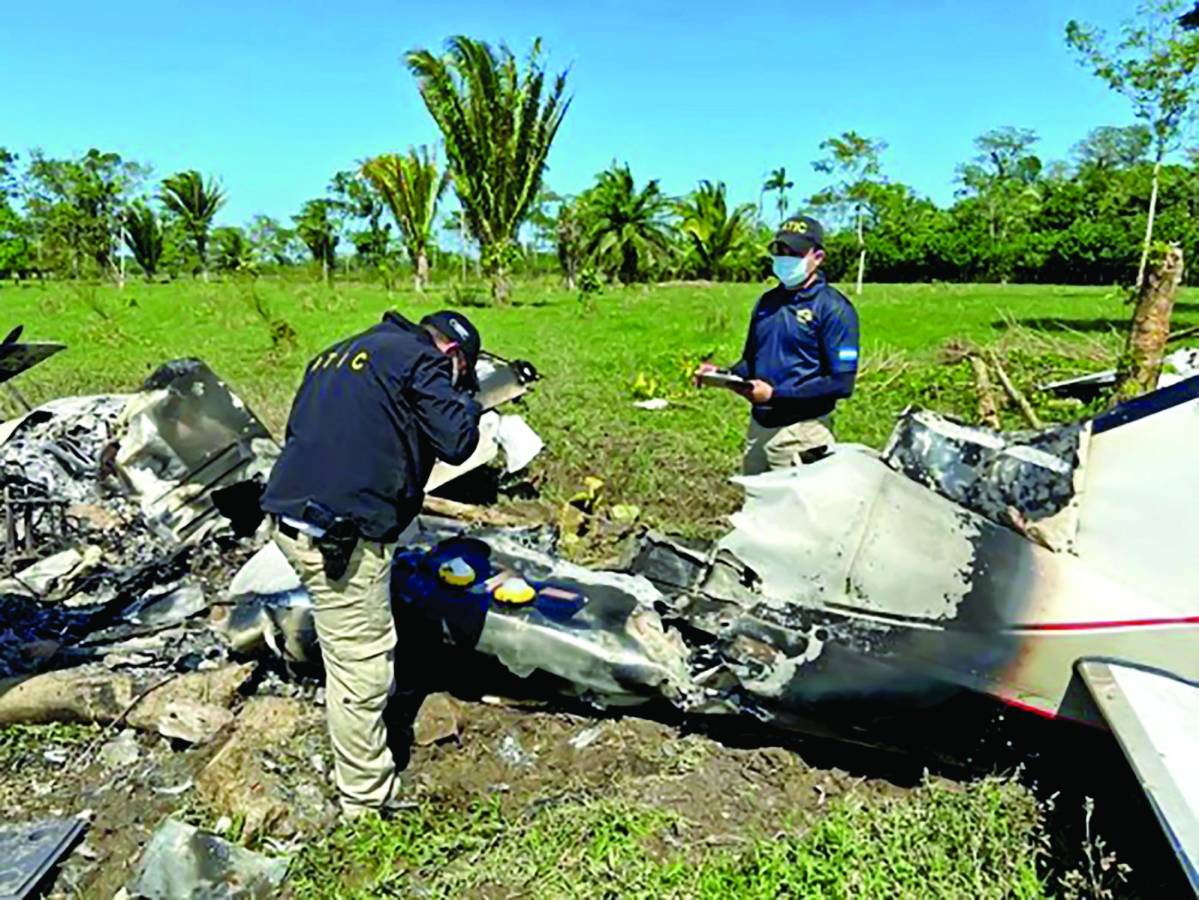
column 1016, row 216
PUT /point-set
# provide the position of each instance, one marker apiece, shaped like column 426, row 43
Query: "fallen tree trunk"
column 1013, row 392
column 1149, row 331
column 988, row 408
column 174, row 705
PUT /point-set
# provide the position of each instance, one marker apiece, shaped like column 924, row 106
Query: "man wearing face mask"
column 373, row 414
column 800, row 356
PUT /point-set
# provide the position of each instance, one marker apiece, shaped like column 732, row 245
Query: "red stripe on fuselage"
column 1052, row 715
column 1095, row 626
column 1028, row 707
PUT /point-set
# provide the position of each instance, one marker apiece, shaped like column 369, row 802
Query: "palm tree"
column 778, row 182
column 498, row 122
column 717, row 236
column 318, row 230
column 411, row 187
column 625, row 228
column 195, row 202
column 144, row 236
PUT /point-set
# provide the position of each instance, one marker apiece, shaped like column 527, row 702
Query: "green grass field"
column 675, row 463
column 937, row 843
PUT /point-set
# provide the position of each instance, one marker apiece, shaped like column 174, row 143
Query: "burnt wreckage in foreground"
column 1042, row 568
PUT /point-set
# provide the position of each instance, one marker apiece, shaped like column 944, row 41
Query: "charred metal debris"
column 122, row 530
column 137, row 577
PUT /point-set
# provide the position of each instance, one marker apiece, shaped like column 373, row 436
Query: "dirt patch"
column 523, row 758
column 727, row 794
column 247, row 781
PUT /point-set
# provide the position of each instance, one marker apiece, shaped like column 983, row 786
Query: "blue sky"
column 274, row 97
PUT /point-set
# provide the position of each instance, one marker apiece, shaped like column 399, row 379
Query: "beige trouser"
column 358, row 638
column 767, row 449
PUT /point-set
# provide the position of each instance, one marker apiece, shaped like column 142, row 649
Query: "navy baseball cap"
column 800, row 234
column 458, row 327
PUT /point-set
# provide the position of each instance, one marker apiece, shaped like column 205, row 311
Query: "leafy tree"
column 272, row 241
column 778, row 182
column 15, row 256
column 1114, row 147
column 144, row 236
column 318, row 227
column 232, row 250
column 1003, row 181
column 543, row 219
column 855, row 161
column 906, row 235
column 1153, row 65
column 1085, row 222
column 358, row 199
column 178, row 253
column 568, row 240
column 411, row 186
column 75, row 206
column 498, row 120
column 8, row 177
column 455, row 222
column 718, row 236
column 625, row 229
column 195, row 202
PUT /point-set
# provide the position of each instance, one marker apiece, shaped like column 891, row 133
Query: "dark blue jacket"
column 804, row 344
column 373, row 414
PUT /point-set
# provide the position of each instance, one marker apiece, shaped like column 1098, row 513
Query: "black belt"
column 295, row 534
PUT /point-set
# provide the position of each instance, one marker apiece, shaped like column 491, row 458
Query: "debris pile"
column 851, row 587
column 119, row 516
column 115, row 577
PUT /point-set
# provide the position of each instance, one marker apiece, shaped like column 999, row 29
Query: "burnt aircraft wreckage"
column 1046, row 569
column 1043, row 568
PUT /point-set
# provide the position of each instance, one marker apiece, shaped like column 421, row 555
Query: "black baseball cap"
column 800, row 233
column 458, row 327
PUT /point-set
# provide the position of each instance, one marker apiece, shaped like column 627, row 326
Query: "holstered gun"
column 336, row 547
column 337, row 544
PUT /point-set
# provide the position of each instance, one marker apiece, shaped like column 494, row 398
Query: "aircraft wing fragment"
column 1155, row 718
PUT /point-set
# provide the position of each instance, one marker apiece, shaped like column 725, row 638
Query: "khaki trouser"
column 358, row 638
column 767, row 449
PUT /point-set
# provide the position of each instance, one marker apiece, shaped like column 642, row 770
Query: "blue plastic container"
column 559, row 603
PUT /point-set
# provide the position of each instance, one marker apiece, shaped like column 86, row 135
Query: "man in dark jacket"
column 800, row 355
column 372, row 416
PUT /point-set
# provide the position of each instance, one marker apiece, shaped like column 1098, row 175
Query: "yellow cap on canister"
column 515, row 591
column 457, row 572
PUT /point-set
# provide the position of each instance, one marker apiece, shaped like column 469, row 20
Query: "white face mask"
column 792, row 271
